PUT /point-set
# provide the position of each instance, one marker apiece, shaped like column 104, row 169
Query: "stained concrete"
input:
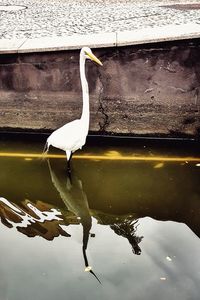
column 148, row 89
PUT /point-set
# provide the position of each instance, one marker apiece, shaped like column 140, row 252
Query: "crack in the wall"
column 197, row 98
column 104, row 122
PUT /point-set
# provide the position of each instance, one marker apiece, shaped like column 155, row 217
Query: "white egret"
column 72, row 136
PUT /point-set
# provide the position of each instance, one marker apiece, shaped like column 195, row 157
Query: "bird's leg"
column 69, row 165
column 68, row 168
column 45, row 150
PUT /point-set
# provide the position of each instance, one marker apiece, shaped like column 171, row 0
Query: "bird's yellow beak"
column 94, row 58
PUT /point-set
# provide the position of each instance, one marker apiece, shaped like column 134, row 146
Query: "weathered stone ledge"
column 149, row 89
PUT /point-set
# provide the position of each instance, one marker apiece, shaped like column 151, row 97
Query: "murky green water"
column 131, row 212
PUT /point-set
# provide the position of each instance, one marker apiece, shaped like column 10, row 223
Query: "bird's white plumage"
column 72, row 136
column 68, row 137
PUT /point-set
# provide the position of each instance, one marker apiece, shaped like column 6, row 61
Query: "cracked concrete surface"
column 104, row 122
column 104, row 118
column 134, row 93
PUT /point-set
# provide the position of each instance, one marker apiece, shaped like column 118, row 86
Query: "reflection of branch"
column 128, row 229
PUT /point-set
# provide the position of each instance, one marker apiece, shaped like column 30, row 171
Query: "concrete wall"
column 140, row 90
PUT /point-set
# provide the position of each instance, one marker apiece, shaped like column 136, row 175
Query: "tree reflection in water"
column 128, row 229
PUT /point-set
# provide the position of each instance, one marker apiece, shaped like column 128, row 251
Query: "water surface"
column 129, row 214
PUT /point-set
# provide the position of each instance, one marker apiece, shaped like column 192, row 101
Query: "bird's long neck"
column 85, row 117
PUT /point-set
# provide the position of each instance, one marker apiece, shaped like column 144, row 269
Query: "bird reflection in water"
column 128, row 229
column 71, row 192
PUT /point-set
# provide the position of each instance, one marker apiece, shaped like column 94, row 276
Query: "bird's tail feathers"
column 45, row 150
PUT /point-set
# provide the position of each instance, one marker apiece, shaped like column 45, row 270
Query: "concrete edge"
column 101, row 40
column 159, row 34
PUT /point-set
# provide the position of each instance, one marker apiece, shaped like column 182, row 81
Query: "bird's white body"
column 69, row 137
column 72, row 136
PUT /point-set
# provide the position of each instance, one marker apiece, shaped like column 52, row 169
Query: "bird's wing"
column 67, row 137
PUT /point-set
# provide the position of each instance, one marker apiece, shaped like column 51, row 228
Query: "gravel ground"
column 49, row 18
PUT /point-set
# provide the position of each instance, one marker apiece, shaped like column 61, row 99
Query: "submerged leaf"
column 159, row 165
column 168, row 258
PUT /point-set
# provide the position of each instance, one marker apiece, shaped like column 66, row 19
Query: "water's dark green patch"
column 133, row 225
